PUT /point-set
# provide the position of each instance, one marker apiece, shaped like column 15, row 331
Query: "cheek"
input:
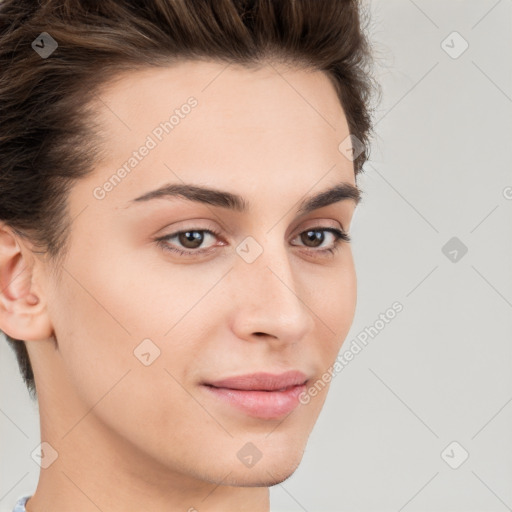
column 102, row 315
column 334, row 302
column 346, row 297
column 109, row 307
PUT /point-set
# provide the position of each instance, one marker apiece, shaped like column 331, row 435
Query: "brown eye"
column 190, row 242
column 312, row 237
column 191, row 239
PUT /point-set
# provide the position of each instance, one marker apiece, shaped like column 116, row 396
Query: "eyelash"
column 162, row 241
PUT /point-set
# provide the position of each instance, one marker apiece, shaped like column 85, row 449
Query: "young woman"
column 178, row 180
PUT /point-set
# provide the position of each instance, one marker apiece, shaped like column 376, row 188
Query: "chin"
column 266, row 473
column 260, row 479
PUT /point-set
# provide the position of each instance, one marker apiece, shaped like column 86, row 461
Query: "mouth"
column 262, row 381
column 260, row 395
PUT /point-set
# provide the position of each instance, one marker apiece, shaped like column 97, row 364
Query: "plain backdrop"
column 421, row 418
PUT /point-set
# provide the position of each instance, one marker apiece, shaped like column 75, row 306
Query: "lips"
column 260, row 395
column 262, row 381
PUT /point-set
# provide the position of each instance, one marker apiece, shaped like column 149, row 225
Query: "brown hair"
column 46, row 135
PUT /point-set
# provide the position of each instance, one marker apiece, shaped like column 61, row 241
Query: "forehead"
column 221, row 86
column 215, row 123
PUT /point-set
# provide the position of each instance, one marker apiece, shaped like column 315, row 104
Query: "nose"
column 269, row 299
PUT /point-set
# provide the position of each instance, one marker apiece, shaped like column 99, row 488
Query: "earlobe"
column 23, row 313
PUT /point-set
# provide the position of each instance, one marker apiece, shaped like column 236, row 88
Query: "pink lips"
column 262, row 395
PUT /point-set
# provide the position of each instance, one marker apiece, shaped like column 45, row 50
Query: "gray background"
column 439, row 372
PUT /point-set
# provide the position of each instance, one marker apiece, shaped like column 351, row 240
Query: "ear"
column 23, row 312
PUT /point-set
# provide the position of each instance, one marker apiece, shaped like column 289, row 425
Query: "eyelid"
column 193, row 225
column 319, row 223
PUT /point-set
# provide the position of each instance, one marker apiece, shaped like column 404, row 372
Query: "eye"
column 190, row 239
column 315, row 237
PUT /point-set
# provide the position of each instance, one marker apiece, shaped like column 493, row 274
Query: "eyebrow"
column 340, row 192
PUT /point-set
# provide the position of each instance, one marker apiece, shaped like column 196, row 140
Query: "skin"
column 131, row 437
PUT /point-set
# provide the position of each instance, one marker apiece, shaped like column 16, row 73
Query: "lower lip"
column 261, row 404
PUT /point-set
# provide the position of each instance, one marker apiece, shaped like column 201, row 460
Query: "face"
column 160, row 295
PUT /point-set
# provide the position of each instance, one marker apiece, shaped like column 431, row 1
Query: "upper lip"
column 262, row 381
